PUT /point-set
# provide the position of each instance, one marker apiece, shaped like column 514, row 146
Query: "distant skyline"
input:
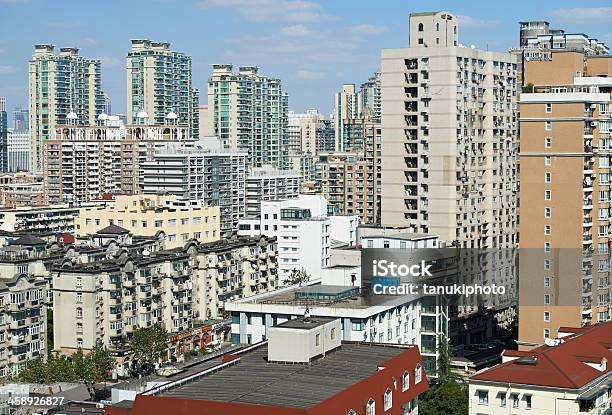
column 312, row 46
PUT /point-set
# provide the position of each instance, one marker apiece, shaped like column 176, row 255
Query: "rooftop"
column 305, row 324
column 565, row 365
column 254, row 380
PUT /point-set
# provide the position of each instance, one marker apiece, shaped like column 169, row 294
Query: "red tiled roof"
column 562, row 366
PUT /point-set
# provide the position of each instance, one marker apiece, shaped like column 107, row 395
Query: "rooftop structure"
column 350, row 378
column 571, row 374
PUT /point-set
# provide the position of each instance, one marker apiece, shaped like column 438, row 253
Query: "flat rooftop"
column 356, row 300
column 305, row 324
column 253, row 380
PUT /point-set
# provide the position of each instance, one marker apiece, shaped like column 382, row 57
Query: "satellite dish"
column 550, row 342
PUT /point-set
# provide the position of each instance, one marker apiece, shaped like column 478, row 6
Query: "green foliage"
column 149, row 343
column 297, row 277
column 446, row 398
column 443, row 370
column 529, row 88
column 90, row 368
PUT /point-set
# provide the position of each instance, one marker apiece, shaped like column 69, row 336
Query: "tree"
column 529, row 88
column 79, row 367
column 149, row 343
column 297, row 277
column 443, row 369
column 447, row 398
column 101, row 362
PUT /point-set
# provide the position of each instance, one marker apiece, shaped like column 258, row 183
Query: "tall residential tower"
column 449, row 151
column 64, row 89
column 158, row 83
column 248, row 112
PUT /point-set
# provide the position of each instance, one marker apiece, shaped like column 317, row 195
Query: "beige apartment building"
column 23, row 321
column 449, row 126
column 565, row 160
column 82, row 163
column 181, row 220
column 108, row 298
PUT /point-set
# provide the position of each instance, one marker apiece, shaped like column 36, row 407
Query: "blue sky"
column 313, row 46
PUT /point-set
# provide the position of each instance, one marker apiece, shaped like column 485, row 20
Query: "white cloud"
column 87, row 41
column 368, row 29
column 109, row 61
column 583, row 15
column 270, row 10
column 469, row 21
column 296, row 30
column 7, row 69
column 305, row 74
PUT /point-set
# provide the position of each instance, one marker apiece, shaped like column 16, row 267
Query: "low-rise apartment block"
column 181, row 220
column 569, row 375
column 303, row 231
column 300, row 357
column 111, row 296
column 363, row 318
column 23, row 321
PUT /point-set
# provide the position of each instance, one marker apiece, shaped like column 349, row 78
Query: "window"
column 483, row 397
column 385, row 244
column 388, row 400
column 546, row 299
column 79, row 297
column 79, row 312
column 438, row 27
column 502, row 399
column 371, row 407
column 548, row 108
column 548, row 142
column 547, row 316
column 547, row 247
column 370, row 243
column 317, row 340
column 515, row 400
column 548, row 160
column 546, row 282
column 420, row 27
column 405, row 381
column 547, row 195
column 547, row 229
column 79, row 282
column 547, row 212
column 417, row 373
column 420, row 41
column 528, row 401
column 547, row 177
column 333, row 333
column 547, row 333
column 547, row 264
column 548, row 126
